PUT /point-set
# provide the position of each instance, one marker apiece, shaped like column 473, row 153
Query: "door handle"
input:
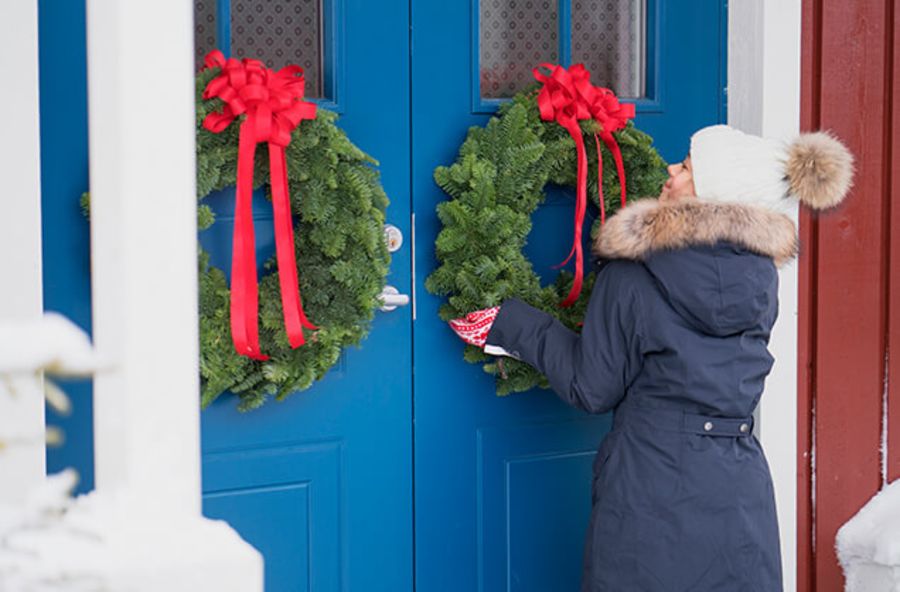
column 391, row 298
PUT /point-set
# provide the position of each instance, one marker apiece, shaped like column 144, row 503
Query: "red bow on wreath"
column 567, row 97
column 272, row 103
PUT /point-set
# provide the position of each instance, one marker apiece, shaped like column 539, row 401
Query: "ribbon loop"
column 273, row 105
column 567, row 97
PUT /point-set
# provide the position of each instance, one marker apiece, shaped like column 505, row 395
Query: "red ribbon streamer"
column 273, row 105
column 567, row 97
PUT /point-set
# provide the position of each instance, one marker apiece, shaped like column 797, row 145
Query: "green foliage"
column 494, row 187
column 338, row 205
column 85, row 204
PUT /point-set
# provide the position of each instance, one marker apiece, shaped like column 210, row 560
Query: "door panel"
column 503, row 484
column 530, row 509
column 322, row 482
column 287, row 501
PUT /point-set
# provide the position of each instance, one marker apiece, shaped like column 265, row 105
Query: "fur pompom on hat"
column 731, row 166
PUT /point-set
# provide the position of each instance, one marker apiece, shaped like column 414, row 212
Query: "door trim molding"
column 764, row 98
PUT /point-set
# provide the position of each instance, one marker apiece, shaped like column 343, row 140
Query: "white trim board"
column 764, row 98
column 20, row 147
column 20, row 225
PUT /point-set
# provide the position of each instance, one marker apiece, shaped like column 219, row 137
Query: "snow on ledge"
column 51, row 343
column 120, row 543
column 868, row 545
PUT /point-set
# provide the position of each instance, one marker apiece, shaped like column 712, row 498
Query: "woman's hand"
column 474, row 329
column 475, row 326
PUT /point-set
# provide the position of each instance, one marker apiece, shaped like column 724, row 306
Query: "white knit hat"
column 731, row 166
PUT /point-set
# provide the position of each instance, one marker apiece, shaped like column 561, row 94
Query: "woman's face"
column 680, row 182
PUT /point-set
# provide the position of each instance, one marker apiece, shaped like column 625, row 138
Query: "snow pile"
column 117, row 540
column 868, row 545
column 121, row 543
column 29, row 348
column 52, row 344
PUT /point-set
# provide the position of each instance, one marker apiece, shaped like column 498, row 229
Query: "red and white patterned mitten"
column 475, row 326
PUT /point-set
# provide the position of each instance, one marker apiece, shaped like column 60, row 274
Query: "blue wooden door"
column 322, row 482
column 503, row 484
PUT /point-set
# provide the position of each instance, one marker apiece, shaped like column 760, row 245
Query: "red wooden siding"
column 849, row 275
column 810, row 64
column 893, row 343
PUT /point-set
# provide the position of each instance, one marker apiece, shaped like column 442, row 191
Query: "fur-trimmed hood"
column 649, row 225
column 728, row 283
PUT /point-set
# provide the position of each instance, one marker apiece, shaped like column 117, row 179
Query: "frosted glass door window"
column 516, row 36
column 204, row 30
column 278, row 33
column 608, row 38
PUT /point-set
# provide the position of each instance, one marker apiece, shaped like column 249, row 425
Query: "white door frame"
column 764, row 98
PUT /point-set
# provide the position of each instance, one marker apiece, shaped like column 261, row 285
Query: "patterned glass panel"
column 515, row 37
column 608, row 36
column 280, row 32
column 204, row 30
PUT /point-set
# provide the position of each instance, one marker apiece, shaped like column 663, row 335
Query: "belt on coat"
column 675, row 420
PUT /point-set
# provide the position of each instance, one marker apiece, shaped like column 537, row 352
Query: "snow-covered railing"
column 28, row 348
column 114, row 539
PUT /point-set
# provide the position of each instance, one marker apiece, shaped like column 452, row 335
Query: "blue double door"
column 402, row 470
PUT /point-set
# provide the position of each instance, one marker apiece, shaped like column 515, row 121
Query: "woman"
column 675, row 342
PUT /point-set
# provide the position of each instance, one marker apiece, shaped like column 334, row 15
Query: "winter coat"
column 674, row 341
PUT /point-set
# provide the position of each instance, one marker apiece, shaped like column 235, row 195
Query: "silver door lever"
column 391, row 298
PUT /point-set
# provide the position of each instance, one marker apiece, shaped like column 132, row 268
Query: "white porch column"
column 22, row 458
column 143, row 249
column 147, row 506
column 142, row 529
column 764, row 98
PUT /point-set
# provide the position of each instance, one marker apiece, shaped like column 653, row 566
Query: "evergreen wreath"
column 338, row 206
column 495, row 186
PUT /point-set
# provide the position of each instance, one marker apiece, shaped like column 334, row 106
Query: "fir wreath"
column 338, row 205
column 495, row 186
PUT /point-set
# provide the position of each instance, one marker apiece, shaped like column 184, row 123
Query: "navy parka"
column 674, row 342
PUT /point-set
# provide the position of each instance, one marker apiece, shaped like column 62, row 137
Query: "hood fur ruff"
column 649, row 225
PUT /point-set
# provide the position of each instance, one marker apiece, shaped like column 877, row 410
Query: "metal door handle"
column 391, row 298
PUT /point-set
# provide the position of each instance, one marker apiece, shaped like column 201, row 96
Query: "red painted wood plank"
column 850, row 322
column 805, row 388
column 893, row 375
column 806, row 350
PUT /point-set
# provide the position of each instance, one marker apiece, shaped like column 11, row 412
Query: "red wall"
column 849, row 280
